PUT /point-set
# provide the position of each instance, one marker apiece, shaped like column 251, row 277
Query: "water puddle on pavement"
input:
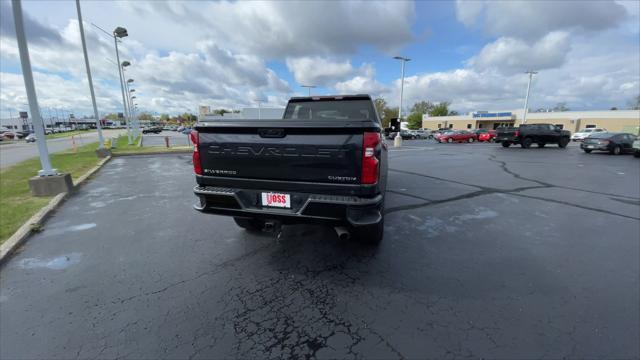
column 49, row 231
column 57, row 263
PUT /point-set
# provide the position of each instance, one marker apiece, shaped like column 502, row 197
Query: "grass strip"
column 16, row 203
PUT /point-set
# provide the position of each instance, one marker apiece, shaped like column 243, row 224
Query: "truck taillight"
column 370, row 164
column 195, row 139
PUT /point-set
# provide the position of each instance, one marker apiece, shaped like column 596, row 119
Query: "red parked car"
column 458, row 136
column 490, row 136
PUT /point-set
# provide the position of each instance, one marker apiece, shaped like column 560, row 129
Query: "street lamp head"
column 120, row 32
column 130, row 81
column 132, row 90
column 125, row 63
column 133, row 97
column 401, row 58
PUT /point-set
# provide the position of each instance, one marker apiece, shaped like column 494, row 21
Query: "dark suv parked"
column 526, row 134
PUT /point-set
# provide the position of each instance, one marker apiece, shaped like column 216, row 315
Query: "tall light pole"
column 27, row 74
column 136, row 127
column 308, row 87
column 397, row 142
column 121, row 32
column 526, row 99
column 93, row 95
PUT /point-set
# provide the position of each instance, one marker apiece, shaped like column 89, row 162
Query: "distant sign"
column 483, row 114
column 24, row 115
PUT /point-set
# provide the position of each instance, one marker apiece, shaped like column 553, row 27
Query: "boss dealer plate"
column 280, row 200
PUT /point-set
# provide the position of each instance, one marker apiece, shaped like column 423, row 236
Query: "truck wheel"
column 526, row 143
column 249, row 224
column 563, row 143
column 541, row 145
column 587, row 151
column 370, row 234
column 506, row 144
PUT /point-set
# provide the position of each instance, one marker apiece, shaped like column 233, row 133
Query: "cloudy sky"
column 234, row 54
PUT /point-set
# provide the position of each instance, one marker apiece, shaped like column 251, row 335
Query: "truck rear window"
column 330, row 110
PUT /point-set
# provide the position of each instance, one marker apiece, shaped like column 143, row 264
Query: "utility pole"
column 308, row 87
column 397, row 142
column 101, row 151
column 27, row 74
column 526, row 99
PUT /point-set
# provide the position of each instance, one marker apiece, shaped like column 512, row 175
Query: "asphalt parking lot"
column 488, row 252
column 175, row 139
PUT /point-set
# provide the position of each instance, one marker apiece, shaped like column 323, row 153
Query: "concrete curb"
column 178, row 151
column 22, row 234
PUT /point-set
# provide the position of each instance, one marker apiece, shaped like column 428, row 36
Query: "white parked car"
column 30, row 138
column 584, row 133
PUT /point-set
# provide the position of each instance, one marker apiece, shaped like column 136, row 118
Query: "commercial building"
column 246, row 113
column 612, row 120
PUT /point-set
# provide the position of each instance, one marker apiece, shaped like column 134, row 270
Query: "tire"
column 616, row 150
column 370, row 234
column 249, row 224
column 541, row 145
column 506, row 144
column 636, row 154
column 587, row 151
column 526, row 143
column 449, row 140
column 470, row 140
column 492, row 140
column 563, row 142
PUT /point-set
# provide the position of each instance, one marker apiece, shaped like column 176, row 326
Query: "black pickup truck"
column 527, row 134
column 324, row 162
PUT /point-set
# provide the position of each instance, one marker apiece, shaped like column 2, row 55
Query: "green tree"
column 380, row 104
column 111, row 116
column 561, row 106
column 442, row 109
column 145, row 116
column 164, row 117
column 422, row 107
column 414, row 121
column 221, row 111
column 389, row 113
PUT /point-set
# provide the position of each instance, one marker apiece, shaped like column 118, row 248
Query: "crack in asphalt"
column 217, row 269
column 576, row 206
column 484, row 190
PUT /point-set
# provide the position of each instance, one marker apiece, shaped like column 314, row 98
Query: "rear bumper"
column 594, row 147
column 305, row 207
column 508, row 139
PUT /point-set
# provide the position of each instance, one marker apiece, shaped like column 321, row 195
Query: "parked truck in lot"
column 527, row 134
column 325, row 161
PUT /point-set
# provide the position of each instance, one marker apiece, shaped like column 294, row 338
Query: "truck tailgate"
column 291, row 152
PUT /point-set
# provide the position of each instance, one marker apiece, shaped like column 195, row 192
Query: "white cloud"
column 319, row 71
column 510, row 55
column 177, row 81
column 277, row 29
column 534, row 19
column 364, row 83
